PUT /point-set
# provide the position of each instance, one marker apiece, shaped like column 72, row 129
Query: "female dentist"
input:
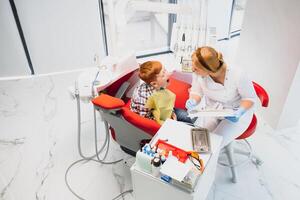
column 217, row 85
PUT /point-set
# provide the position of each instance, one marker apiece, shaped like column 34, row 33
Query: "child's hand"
column 173, row 116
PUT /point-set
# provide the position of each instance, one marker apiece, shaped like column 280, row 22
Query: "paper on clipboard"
column 208, row 109
column 211, row 113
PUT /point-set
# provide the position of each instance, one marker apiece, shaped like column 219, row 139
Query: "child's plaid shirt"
column 139, row 99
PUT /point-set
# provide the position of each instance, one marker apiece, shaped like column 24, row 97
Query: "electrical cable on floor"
column 91, row 158
column 66, row 179
column 74, row 193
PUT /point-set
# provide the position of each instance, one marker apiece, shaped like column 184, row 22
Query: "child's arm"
column 173, row 116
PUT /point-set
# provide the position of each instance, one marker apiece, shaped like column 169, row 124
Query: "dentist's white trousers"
column 227, row 129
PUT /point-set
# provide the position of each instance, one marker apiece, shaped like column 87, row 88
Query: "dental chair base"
column 129, row 143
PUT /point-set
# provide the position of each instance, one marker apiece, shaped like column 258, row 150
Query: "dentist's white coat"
column 236, row 87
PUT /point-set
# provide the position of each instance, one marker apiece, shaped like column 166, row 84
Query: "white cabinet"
column 148, row 187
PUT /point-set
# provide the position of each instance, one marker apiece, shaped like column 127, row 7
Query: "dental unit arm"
column 89, row 84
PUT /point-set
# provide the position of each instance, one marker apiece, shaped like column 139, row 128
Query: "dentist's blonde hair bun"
column 208, row 58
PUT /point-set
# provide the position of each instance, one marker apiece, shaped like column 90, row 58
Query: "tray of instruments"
column 200, row 140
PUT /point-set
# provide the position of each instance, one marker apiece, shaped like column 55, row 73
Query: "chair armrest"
column 108, row 102
column 148, row 125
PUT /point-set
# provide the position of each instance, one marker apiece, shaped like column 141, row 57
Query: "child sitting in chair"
column 151, row 99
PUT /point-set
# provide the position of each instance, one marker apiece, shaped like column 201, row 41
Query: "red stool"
column 230, row 150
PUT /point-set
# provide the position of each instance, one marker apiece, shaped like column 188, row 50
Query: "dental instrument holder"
column 85, row 85
column 144, row 158
column 186, row 65
column 180, row 154
column 189, row 33
column 182, row 46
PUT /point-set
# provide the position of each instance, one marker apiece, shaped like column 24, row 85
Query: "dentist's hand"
column 237, row 115
column 190, row 104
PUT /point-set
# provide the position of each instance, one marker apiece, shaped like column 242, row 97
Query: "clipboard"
column 211, row 113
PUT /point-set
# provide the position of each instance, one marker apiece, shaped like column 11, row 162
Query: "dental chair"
column 127, row 128
column 231, row 149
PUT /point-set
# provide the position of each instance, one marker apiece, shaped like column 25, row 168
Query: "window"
column 131, row 28
column 238, row 11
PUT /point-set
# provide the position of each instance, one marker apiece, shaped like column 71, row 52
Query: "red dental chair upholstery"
column 230, row 150
column 128, row 128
